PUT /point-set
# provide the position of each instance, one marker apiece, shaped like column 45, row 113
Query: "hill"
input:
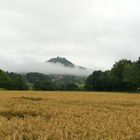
column 64, row 62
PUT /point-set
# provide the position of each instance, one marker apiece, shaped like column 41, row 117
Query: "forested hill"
column 64, row 62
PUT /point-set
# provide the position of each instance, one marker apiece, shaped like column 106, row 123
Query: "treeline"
column 124, row 76
column 12, row 81
column 38, row 81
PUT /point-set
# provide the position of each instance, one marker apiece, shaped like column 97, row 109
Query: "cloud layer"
column 46, row 68
column 91, row 33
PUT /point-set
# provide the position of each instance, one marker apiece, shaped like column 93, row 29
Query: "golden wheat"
column 69, row 116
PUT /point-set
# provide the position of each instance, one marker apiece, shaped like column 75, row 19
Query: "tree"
column 47, row 85
column 44, row 85
column 18, row 81
column 34, row 76
column 71, row 87
column 124, row 76
column 5, row 81
column 37, row 85
column 99, row 81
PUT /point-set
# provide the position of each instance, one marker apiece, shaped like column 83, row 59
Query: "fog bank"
column 41, row 67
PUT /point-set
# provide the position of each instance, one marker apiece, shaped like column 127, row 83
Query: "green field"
column 69, row 116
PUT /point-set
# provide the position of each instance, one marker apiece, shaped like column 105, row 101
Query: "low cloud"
column 42, row 67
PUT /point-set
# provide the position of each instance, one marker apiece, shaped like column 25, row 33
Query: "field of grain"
column 69, row 116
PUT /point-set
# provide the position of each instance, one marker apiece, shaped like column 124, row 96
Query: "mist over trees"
column 54, row 82
column 39, row 81
column 124, row 77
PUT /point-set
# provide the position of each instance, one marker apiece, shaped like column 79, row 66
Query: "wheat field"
column 69, row 116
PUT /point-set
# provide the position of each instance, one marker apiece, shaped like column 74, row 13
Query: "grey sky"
column 91, row 33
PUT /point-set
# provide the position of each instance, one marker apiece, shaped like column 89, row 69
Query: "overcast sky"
column 91, row 33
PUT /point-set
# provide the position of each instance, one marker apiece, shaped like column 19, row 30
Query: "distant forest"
column 124, row 76
column 39, row 81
